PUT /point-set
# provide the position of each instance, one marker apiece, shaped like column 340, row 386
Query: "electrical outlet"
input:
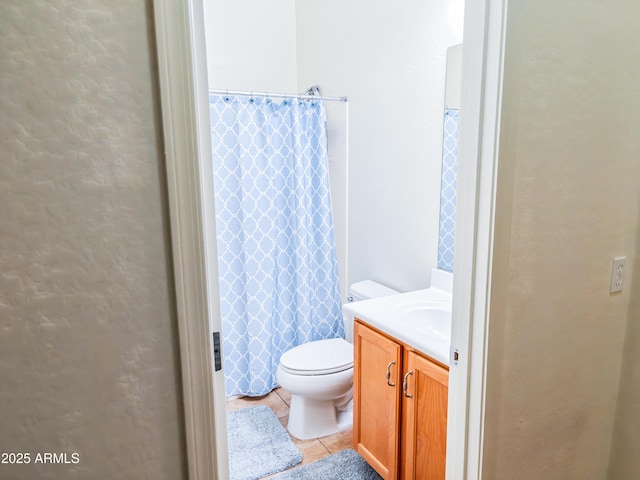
column 617, row 274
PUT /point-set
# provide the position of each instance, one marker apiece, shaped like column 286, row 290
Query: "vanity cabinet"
column 376, row 407
column 400, row 407
column 424, row 418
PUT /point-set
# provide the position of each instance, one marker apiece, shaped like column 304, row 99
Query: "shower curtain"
column 276, row 249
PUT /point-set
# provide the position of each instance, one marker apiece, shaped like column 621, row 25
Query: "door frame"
column 183, row 84
column 478, row 248
column 182, row 78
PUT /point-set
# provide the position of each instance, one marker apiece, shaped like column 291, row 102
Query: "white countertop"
column 382, row 313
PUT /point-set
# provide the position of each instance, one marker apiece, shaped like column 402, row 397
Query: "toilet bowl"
column 319, row 376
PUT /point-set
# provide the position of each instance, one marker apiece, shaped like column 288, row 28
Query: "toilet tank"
column 367, row 289
column 363, row 290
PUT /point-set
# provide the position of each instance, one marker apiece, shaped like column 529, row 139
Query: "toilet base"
column 310, row 418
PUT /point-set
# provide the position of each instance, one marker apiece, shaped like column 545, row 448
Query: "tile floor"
column 315, row 449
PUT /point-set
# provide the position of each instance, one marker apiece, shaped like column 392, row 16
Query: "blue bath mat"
column 344, row 465
column 258, row 444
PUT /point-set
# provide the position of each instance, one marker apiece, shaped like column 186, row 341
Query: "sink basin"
column 426, row 317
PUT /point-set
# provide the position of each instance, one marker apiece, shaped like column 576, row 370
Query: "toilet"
column 319, row 376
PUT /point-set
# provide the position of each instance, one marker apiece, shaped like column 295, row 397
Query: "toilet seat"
column 321, row 357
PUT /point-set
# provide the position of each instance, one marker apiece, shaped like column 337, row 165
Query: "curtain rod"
column 277, row 95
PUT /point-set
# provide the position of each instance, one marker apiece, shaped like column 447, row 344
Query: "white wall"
column 568, row 202
column 390, row 62
column 88, row 342
column 251, row 45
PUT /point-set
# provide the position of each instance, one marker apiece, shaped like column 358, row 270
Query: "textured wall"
column 625, row 462
column 88, row 355
column 571, row 147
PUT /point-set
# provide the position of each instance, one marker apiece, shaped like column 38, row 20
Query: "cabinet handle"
column 393, row 362
column 404, row 384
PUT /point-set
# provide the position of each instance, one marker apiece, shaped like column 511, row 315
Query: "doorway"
column 183, row 85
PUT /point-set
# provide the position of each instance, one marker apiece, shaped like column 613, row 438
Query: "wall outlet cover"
column 617, row 274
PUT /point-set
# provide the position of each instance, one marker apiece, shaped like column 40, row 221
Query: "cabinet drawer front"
column 377, row 385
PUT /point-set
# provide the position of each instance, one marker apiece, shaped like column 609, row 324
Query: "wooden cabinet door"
column 376, row 415
column 424, row 428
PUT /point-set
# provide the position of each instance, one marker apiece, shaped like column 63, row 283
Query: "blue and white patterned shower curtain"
column 276, row 249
